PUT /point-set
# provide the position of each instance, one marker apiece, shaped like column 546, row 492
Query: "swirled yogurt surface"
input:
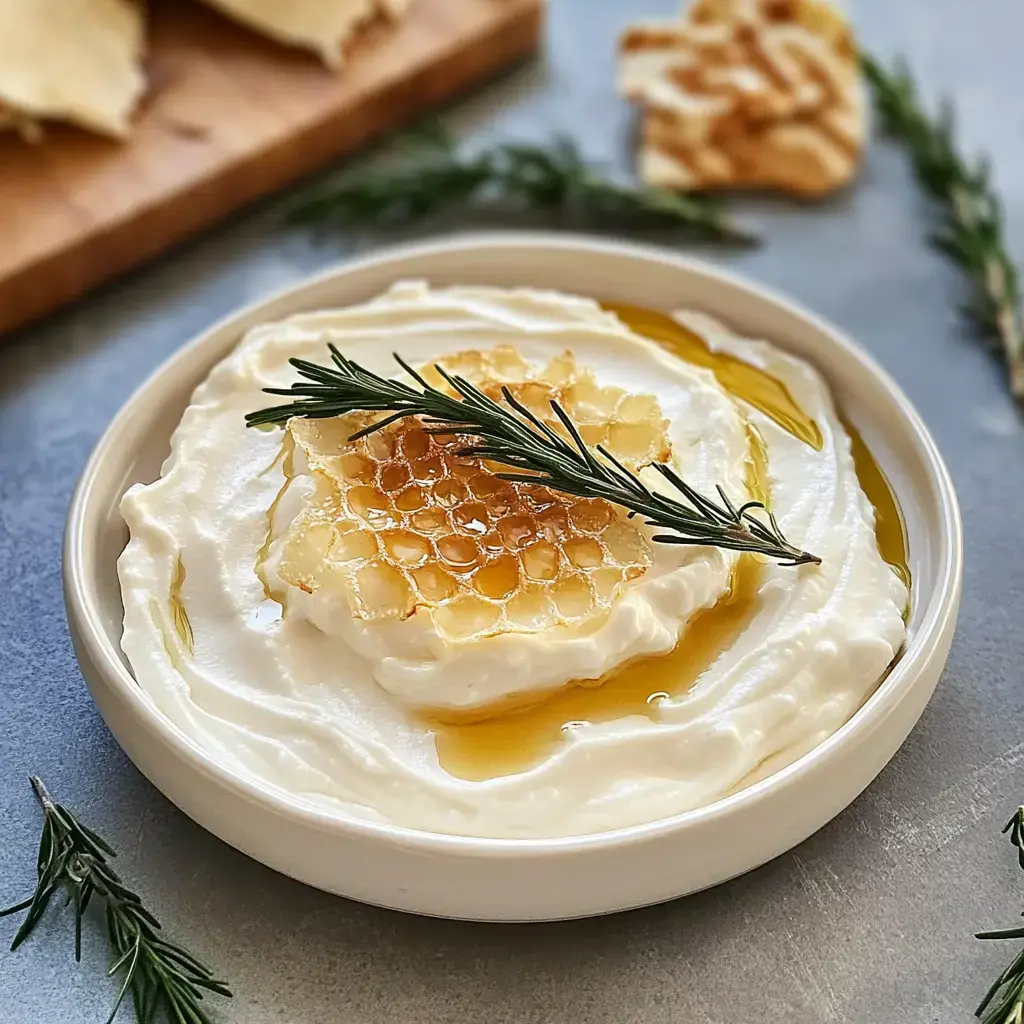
column 290, row 685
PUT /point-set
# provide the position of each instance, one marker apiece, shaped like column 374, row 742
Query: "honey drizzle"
column 513, row 737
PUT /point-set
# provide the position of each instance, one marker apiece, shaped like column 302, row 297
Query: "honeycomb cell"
column 449, row 493
column 485, row 485
column 406, row 548
column 355, row 466
column 414, row 444
column 606, row 581
column 354, row 546
column 517, row 531
column 428, row 469
column 585, row 402
column 536, row 497
column 434, row 584
column 631, row 440
column 466, row 616
column 560, row 371
column 535, row 395
column 624, row 542
column 401, row 520
column 393, row 477
column 443, row 440
column 572, row 596
column 540, row 560
column 471, row 518
column 638, row 409
column 507, row 365
column 429, row 521
column 461, row 554
column 590, row 516
column 531, row 610
column 498, row 579
column 371, row 504
column 378, row 445
column 584, row 552
column 411, row 499
column 554, row 523
column 383, row 592
column 492, row 543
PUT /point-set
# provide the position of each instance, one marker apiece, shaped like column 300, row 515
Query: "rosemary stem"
column 510, row 434
column 969, row 210
column 165, row 980
column 510, row 176
column 42, row 792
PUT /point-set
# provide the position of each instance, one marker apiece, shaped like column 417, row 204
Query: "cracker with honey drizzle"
column 401, row 523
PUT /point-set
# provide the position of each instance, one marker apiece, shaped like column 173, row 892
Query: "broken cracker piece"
column 323, row 26
column 70, row 60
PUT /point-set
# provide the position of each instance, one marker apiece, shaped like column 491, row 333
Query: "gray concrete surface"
column 869, row 921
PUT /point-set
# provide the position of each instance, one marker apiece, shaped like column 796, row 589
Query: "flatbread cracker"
column 323, row 26
column 747, row 93
column 70, row 60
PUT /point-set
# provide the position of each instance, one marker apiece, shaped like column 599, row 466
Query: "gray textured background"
column 868, row 921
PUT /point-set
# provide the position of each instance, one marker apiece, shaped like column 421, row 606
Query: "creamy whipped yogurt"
column 328, row 707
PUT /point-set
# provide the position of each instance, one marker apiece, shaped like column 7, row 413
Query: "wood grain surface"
column 229, row 117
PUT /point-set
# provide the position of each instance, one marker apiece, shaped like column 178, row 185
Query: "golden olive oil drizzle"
column 771, row 396
column 286, row 457
column 514, row 741
column 182, row 626
column 743, row 380
column 512, row 737
column 890, row 528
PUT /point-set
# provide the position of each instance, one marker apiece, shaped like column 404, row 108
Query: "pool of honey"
column 512, row 738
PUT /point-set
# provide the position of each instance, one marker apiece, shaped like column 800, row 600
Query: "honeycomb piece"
column 749, row 93
column 400, row 522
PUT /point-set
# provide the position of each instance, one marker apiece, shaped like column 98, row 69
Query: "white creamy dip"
column 327, row 707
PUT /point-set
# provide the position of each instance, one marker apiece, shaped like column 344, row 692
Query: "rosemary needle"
column 434, row 176
column 513, row 436
column 970, row 212
column 161, row 977
column 1004, row 1001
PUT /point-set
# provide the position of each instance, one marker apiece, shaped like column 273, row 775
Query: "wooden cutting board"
column 229, row 117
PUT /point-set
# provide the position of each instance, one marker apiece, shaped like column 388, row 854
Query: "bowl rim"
column 942, row 605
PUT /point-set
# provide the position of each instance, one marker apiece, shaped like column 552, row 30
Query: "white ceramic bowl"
column 516, row 880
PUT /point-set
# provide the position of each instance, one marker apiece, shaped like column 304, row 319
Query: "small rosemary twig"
column 434, row 176
column 511, row 435
column 1004, row 1001
column 161, row 977
column 971, row 227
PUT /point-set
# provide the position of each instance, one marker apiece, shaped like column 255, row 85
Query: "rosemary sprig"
column 160, row 976
column 1004, row 1001
column 517, row 176
column 971, row 215
column 515, row 437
